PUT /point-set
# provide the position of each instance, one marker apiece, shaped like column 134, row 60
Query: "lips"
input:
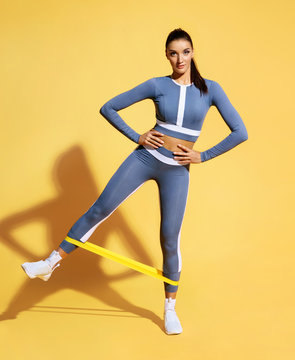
column 180, row 66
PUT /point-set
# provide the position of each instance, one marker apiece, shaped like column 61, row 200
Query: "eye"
column 173, row 52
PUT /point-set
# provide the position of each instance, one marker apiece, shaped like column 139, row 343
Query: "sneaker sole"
column 172, row 332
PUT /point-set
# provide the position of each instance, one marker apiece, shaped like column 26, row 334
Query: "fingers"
column 152, row 138
column 183, row 147
column 155, row 132
column 179, row 153
column 191, row 156
column 184, row 162
column 155, row 142
column 184, row 157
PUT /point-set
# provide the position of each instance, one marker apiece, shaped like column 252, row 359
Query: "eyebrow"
column 176, row 51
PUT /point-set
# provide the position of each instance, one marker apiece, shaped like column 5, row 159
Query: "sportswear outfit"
column 180, row 111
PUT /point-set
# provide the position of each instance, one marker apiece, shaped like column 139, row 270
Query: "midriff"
column 171, row 142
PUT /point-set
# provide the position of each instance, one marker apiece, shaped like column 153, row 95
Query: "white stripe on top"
column 178, row 128
column 181, row 105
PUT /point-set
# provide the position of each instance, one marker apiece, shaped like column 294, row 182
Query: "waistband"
column 164, row 155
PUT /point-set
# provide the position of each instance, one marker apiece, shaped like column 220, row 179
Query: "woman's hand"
column 151, row 137
column 187, row 155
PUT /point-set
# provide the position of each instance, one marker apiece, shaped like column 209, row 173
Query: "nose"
column 180, row 59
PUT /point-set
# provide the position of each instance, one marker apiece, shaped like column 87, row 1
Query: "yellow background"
column 60, row 62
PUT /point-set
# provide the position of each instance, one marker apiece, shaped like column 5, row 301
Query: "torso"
column 181, row 106
column 180, row 110
column 171, row 142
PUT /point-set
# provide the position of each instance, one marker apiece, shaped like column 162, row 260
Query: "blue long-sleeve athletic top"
column 180, row 111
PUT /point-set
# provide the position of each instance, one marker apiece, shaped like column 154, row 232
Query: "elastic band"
column 159, row 154
column 135, row 265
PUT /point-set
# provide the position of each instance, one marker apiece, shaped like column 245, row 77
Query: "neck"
column 184, row 79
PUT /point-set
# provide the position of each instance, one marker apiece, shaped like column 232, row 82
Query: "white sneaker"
column 172, row 323
column 42, row 269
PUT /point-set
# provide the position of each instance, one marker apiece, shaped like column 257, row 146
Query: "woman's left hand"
column 187, row 155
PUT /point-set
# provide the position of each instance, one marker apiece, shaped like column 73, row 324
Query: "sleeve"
column 233, row 120
column 145, row 90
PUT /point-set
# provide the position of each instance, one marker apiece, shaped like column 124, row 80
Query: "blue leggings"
column 173, row 183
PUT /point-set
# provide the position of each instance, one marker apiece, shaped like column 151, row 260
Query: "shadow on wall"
column 81, row 270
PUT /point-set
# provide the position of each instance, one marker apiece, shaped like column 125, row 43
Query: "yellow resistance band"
column 135, row 265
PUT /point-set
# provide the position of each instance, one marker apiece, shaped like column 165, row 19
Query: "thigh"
column 173, row 191
column 129, row 176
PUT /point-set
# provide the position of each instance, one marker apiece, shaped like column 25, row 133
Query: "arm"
column 233, row 121
column 109, row 110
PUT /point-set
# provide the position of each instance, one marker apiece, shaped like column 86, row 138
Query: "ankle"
column 170, row 303
column 61, row 252
column 54, row 259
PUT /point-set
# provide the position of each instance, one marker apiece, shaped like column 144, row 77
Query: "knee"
column 169, row 233
column 97, row 211
column 169, row 248
column 169, row 241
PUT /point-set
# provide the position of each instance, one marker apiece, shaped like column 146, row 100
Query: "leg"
column 131, row 174
column 126, row 180
column 173, row 191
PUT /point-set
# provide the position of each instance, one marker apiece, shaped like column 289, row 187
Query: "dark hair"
column 196, row 78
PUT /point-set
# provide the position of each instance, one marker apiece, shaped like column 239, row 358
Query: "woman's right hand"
column 151, row 137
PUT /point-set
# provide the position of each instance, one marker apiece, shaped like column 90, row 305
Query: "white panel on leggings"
column 85, row 237
column 161, row 157
column 178, row 240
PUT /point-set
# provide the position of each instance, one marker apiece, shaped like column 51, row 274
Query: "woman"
column 164, row 154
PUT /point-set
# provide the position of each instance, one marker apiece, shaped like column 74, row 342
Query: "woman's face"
column 179, row 52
